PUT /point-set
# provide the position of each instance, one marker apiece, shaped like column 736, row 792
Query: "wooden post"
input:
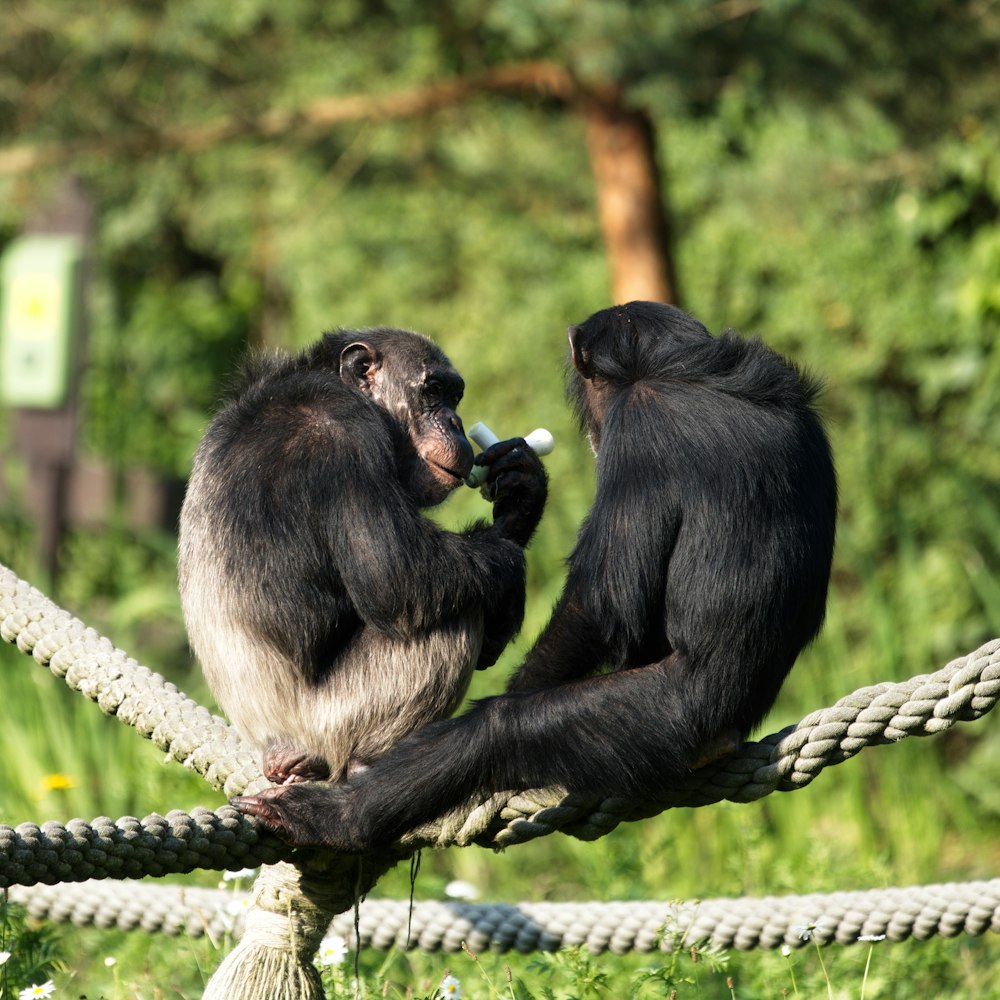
column 46, row 434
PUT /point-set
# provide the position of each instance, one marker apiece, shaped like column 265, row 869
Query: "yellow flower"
column 57, row 782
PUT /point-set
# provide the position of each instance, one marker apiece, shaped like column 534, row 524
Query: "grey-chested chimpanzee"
column 697, row 578
column 330, row 617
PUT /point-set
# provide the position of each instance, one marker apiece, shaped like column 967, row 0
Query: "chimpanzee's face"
column 437, row 435
column 417, row 386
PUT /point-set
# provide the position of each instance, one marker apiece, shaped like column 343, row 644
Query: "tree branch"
column 621, row 144
column 540, row 78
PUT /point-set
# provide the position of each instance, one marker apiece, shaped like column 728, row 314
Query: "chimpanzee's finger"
column 499, row 450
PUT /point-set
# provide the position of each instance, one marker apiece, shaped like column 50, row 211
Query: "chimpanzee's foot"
column 306, row 815
column 285, row 765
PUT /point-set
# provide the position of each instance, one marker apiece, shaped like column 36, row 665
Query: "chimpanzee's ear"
column 582, row 361
column 358, row 364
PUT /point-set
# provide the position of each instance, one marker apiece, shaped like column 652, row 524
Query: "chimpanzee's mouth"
column 446, row 473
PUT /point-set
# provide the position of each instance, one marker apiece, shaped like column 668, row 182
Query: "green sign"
column 39, row 278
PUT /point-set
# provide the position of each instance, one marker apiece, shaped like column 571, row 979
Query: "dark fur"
column 699, row 575
column 330, row 616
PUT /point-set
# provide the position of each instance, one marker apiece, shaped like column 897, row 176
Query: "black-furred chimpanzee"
column 330, row 617
column 698, row 576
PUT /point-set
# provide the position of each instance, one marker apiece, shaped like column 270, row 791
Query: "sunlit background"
column 250, row 174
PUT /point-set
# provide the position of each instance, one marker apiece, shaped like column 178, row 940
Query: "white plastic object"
column 540, row 441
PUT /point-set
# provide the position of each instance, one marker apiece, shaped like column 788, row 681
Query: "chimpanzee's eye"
column 442, row 390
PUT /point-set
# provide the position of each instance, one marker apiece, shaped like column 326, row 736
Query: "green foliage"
column 833, row 184
column 29, row 951
column 63, row 757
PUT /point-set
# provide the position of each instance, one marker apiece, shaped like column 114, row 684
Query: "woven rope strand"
column 93, row 666
column 131, row 848
column 896, row 914
column 964, row 690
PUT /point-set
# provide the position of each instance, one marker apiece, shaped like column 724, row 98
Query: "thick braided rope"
column 91, row 665
column 945, row 910
column 131, row 848
column 964, row 690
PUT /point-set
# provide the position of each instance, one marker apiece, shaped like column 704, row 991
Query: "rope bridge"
column 294, row 902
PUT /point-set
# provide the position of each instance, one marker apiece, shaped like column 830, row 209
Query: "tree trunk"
column 630, row 203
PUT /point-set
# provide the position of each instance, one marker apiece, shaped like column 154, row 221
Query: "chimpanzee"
column 698, row 576
column 330, row 617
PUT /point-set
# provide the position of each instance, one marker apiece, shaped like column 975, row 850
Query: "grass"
column 64, row 758
column 177, row 969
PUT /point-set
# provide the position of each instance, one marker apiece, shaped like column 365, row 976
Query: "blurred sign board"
column 40, row 277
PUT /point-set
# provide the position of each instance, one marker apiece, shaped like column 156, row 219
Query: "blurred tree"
column 264, row 168
column 148, row 80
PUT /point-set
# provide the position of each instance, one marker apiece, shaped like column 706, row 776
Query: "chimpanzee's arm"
column 570, row 647
column 402, row 571
column 518, row 485
column 612, row 609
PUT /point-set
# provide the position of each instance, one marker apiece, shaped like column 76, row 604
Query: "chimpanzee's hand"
column 517, row 485
column 306, row 815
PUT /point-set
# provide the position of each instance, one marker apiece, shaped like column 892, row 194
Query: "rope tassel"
column 282, row 932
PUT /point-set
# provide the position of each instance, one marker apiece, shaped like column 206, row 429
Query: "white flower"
column 46, row 989
column 871, row 937
column 332, row 950
column 238, row 905
column 4, row 955
column 110, row 961
column 458, row 889
column 450, row 987
column 786, row 950
column 242, row 873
